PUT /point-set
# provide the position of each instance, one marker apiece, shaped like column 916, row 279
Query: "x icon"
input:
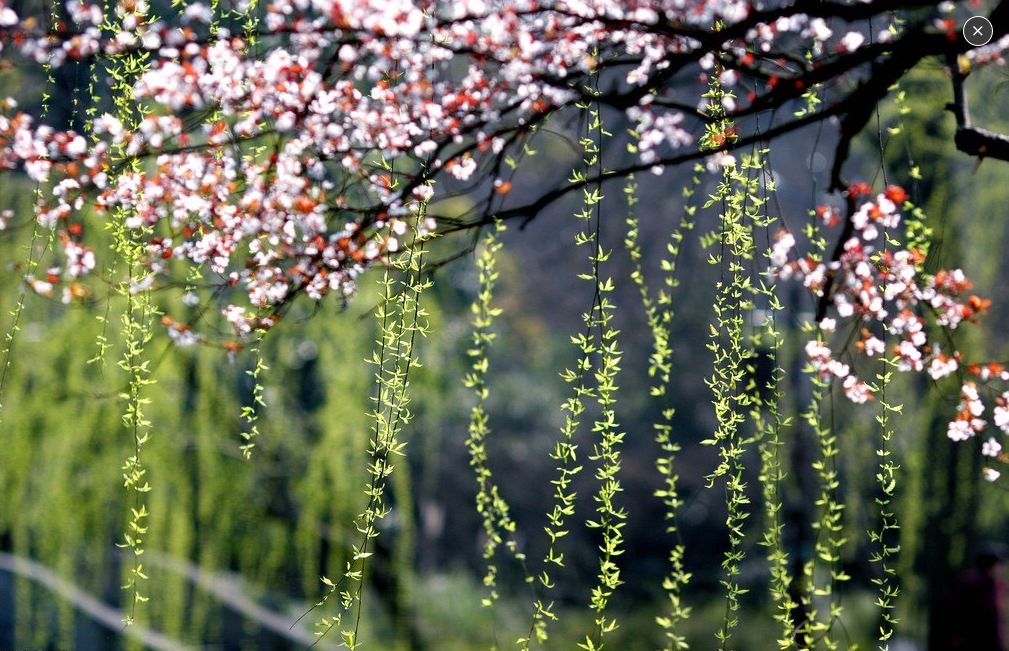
column 978, row 31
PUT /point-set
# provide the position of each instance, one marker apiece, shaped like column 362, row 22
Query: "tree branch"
column 982, row 143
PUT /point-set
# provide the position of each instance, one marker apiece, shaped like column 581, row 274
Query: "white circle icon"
column 978, row 31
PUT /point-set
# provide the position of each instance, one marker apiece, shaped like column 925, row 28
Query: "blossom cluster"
column 287, row 154
column 883, row 292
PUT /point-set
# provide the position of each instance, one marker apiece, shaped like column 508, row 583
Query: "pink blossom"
column 856, row 390
column 852, row 41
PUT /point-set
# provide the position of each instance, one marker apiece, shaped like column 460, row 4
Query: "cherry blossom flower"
column 959, row 430
column 852, row 41
column 856, row 390
column 80, row 259
column 887, row 290
column 942, row 366
column 784, row 242
column 1001, row 412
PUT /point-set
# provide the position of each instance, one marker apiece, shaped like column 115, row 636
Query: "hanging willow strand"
column 813, row 627
column 610, row 519
column 738, row 196
column 659, row 315
column 822, row 572
column 136, row 320
column 769, row 423
column 32, row 261
column 495, row 513
column 401, row 318
column 23, row 590
column 728, row 398
column 10, row 336
column 895, row 553
column 250, row 413
column 589, row 345
column 885, row 538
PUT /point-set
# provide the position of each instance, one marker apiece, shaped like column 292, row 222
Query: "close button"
column 978, row 31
